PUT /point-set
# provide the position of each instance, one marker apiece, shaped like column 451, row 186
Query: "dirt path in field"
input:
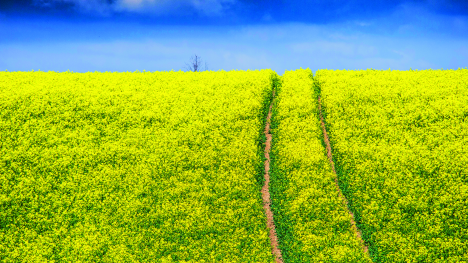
column 340, row 194
column 266, row 193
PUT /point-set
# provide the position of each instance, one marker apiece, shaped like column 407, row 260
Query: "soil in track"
column 356, row 230
column 266, row 193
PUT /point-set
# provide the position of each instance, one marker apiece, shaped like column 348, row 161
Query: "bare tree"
column 195, row 64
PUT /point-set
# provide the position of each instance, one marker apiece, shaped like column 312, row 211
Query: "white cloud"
column 144, row 6
column 211, row 7
column 277, row 46
column 85, row 6
column 133, row 4
column 158, row 7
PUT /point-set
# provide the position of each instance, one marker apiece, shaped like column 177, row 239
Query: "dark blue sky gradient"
column 234, row 12
column 125, row 35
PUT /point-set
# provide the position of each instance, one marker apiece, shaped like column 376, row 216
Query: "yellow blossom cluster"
column 399, row 140
column 133, row 167
column 312, row 223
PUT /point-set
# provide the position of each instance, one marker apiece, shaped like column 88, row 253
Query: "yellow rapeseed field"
column 399, row 140
column 133, row 167
column 169, row 166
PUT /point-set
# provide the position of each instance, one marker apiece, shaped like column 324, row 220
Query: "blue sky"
column 162, row 35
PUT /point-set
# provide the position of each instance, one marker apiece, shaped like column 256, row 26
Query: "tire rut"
column 266, row 193
column 356, row 230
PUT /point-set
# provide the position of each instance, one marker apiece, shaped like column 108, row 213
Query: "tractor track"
column 266, row 193
column 356, row 230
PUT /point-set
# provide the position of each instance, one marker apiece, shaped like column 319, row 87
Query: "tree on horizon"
column 195, row 64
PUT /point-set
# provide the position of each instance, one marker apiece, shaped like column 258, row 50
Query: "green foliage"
column 168, row 166
column 312, row 223
column 399, row 141
column 132, row 167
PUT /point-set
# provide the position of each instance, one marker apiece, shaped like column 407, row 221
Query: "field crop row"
column 133, row 167
column 399, row 141
column 168, row 166
column 312, row 223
